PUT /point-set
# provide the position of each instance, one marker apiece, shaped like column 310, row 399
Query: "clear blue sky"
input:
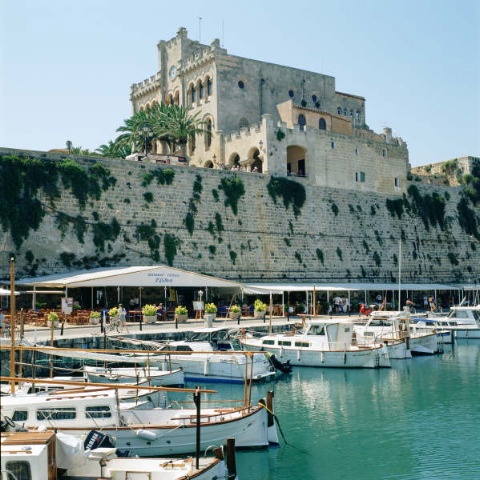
column 67, row 65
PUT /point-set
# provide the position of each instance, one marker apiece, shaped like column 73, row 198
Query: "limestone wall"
column 339, row 235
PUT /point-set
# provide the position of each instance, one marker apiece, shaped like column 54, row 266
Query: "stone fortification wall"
column 193, row 221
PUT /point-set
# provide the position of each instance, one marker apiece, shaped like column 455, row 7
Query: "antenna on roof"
column 199, row 29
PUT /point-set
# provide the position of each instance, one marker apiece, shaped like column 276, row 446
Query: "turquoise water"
column 419, row 420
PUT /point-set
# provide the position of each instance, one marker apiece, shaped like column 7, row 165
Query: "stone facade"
column 339, row 234
column 245, row 102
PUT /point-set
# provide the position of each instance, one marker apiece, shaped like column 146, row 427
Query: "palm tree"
column 113, row 150
column 179, row 125
column 138, row 131
column 170, row 123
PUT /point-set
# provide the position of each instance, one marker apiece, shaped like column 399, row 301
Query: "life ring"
column 9, row 421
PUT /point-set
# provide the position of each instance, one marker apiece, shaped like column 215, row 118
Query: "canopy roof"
column 342, row 287
column 152, row 276
column 6, row 293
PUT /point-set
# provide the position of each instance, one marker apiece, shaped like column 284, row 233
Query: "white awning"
column 342, row 287
column 143, row 276
column 6, row 293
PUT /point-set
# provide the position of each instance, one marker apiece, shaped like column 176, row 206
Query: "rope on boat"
column 277, row 420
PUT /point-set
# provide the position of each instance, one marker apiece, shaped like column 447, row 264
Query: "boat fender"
column 146, row 434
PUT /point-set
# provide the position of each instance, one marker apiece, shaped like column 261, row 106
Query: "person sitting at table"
column 161, row 311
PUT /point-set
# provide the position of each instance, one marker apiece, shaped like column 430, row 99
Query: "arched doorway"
column 296, row 161
column 257, row 164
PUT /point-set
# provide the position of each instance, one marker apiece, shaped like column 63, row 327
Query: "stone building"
column 273, row 119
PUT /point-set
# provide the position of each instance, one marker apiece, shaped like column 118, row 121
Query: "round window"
column 241, row 84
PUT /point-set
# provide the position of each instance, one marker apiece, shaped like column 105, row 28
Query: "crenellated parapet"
column 148, row 86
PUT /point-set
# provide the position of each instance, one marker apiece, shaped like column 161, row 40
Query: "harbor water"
column 419, row 420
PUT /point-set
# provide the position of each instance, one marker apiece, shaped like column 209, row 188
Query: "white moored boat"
column 144, row 432
column 394, row 328
column 154, row 376
column 464, row 322
column 200, row 362
column 323, row 343
column 49, row 455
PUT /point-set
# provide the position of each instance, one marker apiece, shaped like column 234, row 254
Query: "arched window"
column 177, row 98
column 291, row 93
column 243, row 123
column 208, row 134
column 201, row 90
column 314, row 98
column 209, row 86
column 301, row 121
column 322, row 124
column 339, row 110
column 345, row 111
column 193, row 94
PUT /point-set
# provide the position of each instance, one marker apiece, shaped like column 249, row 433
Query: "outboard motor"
column 283, row 367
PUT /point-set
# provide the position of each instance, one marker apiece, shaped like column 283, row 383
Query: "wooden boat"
column 51, row 456
column 142, row 432
column 323, row 343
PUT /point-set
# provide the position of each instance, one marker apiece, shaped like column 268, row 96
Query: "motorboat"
column 143, row 432
column 394, row 328
column 154, row 376
column 464, row 322
column 200, row 362
column 48, row 455
column 322, row 343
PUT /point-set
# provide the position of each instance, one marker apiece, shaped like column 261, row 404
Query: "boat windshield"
column 380, row 322
column 316, row 330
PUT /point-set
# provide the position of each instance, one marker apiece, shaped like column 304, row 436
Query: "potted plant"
column 210, row 313
column 95, row 318
column 235, row 312
column 259, row 308
column 149, row 313
column 181, row 314
column 52, row 319
column 113, row 312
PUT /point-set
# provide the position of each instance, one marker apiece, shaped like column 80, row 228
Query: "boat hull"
column 231, row 368
column 376, row 357
column 178, row 436
column 426, row 344
column 467, row 333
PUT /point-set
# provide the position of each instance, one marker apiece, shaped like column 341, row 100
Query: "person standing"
column 122, row 316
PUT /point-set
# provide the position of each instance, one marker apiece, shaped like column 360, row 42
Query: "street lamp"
column 146, row 132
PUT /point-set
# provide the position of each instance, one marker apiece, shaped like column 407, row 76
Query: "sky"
column 66, row 66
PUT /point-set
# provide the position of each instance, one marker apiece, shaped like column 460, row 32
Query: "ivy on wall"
column 192, row 205
column 233, row 189
column 20, row 209
column 170, row 243
column 291, row 192
column 147, row 233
